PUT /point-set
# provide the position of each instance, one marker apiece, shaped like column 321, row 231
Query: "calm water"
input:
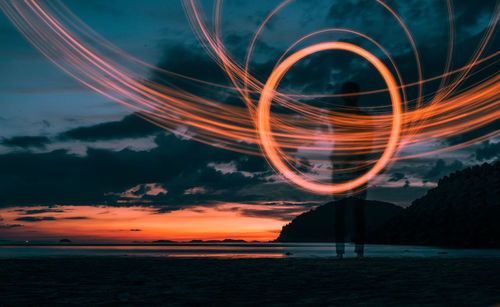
column 238, row 250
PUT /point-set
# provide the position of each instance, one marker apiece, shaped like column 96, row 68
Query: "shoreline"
column 256, row 244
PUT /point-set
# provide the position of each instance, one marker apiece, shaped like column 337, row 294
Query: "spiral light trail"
column 455, row 108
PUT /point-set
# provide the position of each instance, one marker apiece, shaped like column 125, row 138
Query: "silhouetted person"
column 357, row 162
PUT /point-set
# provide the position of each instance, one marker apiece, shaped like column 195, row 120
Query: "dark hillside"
column 462, row 211
column 317, row 225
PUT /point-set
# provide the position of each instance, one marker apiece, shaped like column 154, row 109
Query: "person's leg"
column 359, row 224
column 338, row 211
column 339, row 216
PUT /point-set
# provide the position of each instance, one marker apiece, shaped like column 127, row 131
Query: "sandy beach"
column 278, row 282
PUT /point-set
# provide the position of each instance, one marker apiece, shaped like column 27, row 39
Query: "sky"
column 74, row 164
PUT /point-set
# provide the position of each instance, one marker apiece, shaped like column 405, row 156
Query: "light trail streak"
column 451, row 110
column 270, row 146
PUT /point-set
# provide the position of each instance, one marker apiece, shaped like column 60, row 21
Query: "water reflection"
column 238, row 250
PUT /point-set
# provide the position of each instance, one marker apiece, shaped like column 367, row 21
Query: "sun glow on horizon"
column 86, row 224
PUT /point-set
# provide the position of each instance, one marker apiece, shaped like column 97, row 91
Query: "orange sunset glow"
column 129, row 224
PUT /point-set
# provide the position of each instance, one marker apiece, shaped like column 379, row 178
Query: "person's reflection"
column 348, row 167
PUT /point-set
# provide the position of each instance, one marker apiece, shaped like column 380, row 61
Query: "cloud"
column 441, row 169
column 488, row 151
column 39, row 211
column 189, row 61
column 469, row 13
column 252, row 164
column 131, row 126
column 282, row 210
column 473, row 134
column 76, row 218
column 162, row 173
column 26, row 141
column 35, row 218
column 284, row 214
column 395, row 177
column 10, row 226
column 135, row 229
column 407, row 184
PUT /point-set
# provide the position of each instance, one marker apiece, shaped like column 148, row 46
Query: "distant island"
column 202, row 241
column 462, row 211
column 163, row 241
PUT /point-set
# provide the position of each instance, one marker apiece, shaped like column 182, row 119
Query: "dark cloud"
column 469, row 13
column 190, row 61
column 26, row 141
column 101, row 176
column 214, row 186
column 282, row 210
column 318, row 73
column 474, row 134
column 441, row 169
column 252, row 164
column 193, row 62
column 131, row 126
column 135, row 229
column 9, row 226
column 39, row 211
column 395, row 177
column 170, row 208
column 407, row 184
column 35, row 218
column 488, row 151
column 284, row 214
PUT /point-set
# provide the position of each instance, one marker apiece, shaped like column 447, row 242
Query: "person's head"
column 350, row 93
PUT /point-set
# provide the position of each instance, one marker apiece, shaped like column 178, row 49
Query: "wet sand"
column 277, row 282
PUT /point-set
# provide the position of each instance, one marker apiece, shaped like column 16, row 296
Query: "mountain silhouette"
column 462, row 211
column 317, row 225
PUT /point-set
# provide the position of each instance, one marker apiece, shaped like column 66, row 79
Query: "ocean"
column 239, row 250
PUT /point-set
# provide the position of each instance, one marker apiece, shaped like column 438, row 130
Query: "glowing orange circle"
column 269, row 145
